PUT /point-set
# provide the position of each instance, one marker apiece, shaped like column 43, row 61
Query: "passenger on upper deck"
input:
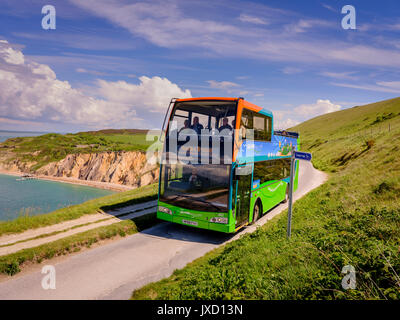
column 225, row 125
column 186, row 126
column 196, row 126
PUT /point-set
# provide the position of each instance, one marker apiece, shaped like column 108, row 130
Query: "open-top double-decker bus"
column 235, row 170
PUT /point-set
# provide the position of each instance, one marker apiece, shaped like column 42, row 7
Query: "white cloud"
column 27, row 97
column 395, row 27
column 285, row 124
column 284, row 119
column 242, row 77
column 167, row 24
column 291, row 70
column 316, row 109
column 380, row 86
column 252, row 19
column 9, row 55
column 5, row 121
column 31, row 91
column 152, row 94
column 389, row 84
column 224, row 85
column 339, row 75
column 330, row 8
column 160, row 22
column 92, row 72
column 304, row 25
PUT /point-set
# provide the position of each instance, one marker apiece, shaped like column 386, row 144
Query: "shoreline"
column 87, row 183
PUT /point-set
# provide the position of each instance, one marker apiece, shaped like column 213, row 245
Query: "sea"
column 33, row 197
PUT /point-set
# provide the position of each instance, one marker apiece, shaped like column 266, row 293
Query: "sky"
column 117, row 63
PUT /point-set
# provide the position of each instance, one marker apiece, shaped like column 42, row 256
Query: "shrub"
column 383, row 187
column 369, row 143
column 12, row 268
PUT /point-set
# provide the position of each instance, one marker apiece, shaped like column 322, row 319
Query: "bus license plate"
column 192, row 223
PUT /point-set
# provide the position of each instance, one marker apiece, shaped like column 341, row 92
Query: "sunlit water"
column 35, row 197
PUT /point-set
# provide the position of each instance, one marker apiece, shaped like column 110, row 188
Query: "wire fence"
column 375, row 130
column 363, row 135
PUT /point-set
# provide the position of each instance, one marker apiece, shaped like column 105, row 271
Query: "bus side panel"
column 269, row 194
column 273, row 194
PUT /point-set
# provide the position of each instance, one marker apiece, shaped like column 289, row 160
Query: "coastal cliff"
column 128, row 168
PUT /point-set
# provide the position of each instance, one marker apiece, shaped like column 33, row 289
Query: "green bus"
column 228, row 180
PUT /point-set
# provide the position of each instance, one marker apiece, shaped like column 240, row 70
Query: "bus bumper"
column 197, row 223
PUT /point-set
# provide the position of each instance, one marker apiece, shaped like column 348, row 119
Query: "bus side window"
column 246, row 122
column 262, row 127
column 272, row 170
column 259, row 127
column 268, row 128
column 261, row 124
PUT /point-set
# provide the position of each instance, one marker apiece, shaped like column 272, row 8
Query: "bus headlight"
column 219, row 220
column 164, row 209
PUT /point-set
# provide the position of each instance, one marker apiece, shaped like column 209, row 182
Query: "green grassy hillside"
column 336, row 138
column 353, row 219
column 53, row 147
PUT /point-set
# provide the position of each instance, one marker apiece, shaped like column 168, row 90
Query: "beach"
column 94, row 184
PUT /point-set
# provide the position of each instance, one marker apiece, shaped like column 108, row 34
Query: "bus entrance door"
column 243, row 186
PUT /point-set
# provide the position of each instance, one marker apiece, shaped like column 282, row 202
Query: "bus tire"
column 257, row 211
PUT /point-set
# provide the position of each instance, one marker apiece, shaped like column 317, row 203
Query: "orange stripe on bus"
column 236, row 146
column 207, row 98
column 251, row 106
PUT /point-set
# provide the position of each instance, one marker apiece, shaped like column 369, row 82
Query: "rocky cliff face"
column 15, row 166
column 126, row 167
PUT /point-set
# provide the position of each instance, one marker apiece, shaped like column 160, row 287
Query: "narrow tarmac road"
column 114, row 270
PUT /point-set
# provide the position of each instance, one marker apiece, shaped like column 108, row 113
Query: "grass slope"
column 353, row 219
column 54, row 147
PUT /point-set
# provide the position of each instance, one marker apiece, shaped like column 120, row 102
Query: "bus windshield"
column 205, row 127
column 207, row 114
column 196, row 187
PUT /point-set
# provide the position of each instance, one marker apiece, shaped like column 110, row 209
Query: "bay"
column 33, row 197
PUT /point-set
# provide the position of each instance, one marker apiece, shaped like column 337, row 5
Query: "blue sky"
column 116, row 63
